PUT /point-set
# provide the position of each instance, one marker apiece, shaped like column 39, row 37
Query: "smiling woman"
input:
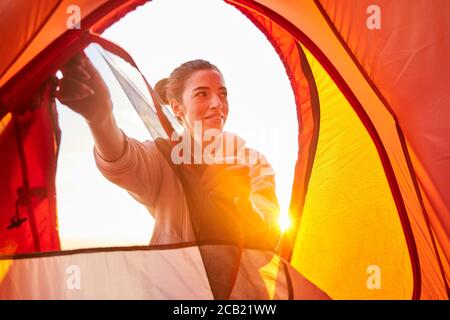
column 203, row 91
column 242, row 192
column 118, row 220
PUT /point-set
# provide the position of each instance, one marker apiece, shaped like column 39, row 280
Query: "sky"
column 162, row 34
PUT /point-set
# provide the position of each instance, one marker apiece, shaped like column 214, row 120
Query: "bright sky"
column 160, row 36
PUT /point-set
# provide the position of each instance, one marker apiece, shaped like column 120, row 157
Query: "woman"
column 239, row 195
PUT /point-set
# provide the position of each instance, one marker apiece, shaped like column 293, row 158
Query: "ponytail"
column 161, row 91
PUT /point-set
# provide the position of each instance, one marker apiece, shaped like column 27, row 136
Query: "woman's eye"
column 224, row 94
column 201, row 94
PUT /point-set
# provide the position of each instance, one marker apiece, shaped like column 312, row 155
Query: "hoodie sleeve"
column 138, row 170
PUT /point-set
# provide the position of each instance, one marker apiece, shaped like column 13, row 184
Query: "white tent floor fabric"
column 146, row 273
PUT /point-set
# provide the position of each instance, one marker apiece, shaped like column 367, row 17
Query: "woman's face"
column 204, row 101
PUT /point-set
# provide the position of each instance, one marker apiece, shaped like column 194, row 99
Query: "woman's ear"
column 177, row 108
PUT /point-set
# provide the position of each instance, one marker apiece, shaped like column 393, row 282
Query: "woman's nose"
column 216, row 102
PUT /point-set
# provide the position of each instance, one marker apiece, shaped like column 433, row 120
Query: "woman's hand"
column 233, row 183
column 83, row 90
column 227, row 181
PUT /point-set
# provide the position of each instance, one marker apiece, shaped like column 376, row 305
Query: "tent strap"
column 24, row 192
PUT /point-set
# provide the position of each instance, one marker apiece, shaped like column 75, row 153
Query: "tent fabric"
column 175, row 272
column 349, row 205
column 29, row 142
column 47, row 40
column 359, row 111
column 339, row 128
column 39, row 23
column 410, row 52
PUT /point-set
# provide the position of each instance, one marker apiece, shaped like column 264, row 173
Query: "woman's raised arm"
column 83, row 90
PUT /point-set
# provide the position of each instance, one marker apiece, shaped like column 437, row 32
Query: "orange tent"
column 370, row 194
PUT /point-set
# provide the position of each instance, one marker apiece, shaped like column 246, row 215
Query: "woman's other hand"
column 227, row 181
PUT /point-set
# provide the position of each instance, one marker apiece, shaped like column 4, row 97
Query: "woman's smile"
column 214, row 118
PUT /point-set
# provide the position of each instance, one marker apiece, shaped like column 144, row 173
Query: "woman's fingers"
column 81, row 68
column 236, row 188
column 216, row 173
column 78, row 72
column 76, row 68
column 75, row 60
column 89, row 67
column 83, row 90
column 220, row 170
column 227, row 181
column 70, row 89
